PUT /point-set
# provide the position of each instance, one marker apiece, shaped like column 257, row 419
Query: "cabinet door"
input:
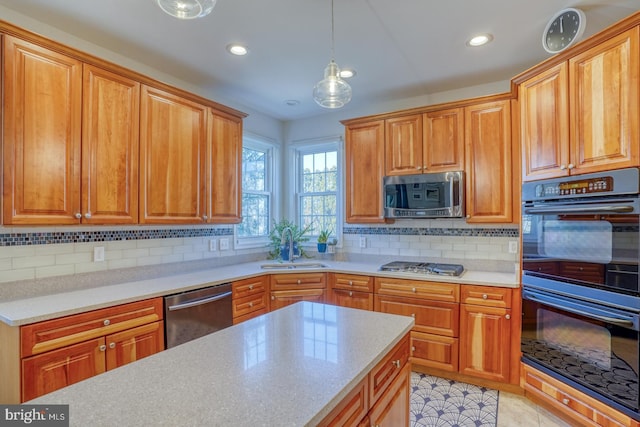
column 224, row 169
column 488, row 162
column 433, row 317
column 352, row 299
column 544, row 124
column 110, row 130
column 134, row 344
column 42, row 133
column 485, row 334
column 55, row 369
column 281, row 299
column 392, row 408
column 434, row 351
column 403, row 145
column 172, row 153
column 443, row 148
column 604, row 93
column 364, row 155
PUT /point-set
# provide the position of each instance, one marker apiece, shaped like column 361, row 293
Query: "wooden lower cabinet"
column 435, row 351
column 134, row 344
column 281, row 299
column 392, row 409
column 351, row 290
column 250, row 298
column 288, row 289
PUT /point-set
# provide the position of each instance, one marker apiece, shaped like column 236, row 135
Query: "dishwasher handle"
column 197, row 302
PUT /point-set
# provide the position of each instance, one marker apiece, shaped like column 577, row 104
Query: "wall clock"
column 563, row 30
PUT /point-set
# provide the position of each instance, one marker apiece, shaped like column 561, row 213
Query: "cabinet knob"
column 350, row 293
column 419, row 167
column 413, row 290
column 413, row 315
column 204, row 217
column 78, row 215
column 507, row 316
column 102, row 347
column 485, row 296
column 112, row 345
column 563, row 167
column 250, row 304
column 571, row 166
column 396, row 363
column 566, row 401
column 106, row 322
column 350, row 283
column 273, row 298
column 87, row 215
column 413, row 348
column 250, row 287
column 299, row 281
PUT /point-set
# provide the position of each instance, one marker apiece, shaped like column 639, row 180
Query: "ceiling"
column 399, row 48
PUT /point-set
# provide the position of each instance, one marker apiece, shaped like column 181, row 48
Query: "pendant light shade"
column 187, row 9
column 332, row 91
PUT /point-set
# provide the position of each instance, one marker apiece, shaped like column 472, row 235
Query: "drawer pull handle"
column 485, row 296
column 106, row 322
column 566, row 401
column 112, row 345
column 396, row 363
column 250, row 287
column 102, row 347
column 413, row 290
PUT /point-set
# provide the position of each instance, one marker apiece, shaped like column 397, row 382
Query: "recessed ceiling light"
column 479, row 40
column 237, row 49
column 292, row 102
column 347, row 73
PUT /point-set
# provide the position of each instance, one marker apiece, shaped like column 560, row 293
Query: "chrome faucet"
column 283, row 240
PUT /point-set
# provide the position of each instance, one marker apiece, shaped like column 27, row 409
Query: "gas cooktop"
column 424, row 268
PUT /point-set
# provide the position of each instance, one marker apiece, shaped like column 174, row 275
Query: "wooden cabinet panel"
column 435, row 351
column 486, row 295
column 251, row 315
column 383, row 374
column 281, row 299
column 434, row 317
column 250, row 296
column 224, row 169
column 403, row 145
column 110, row 130
column 352, row 409
column 41, row 135
column 53, row 370
column 392, row 408
column 364, row 166
column 351, row 282
column 485, row 334
column 352, row 299
column 172, row 153
column 298, row 281
column 251, row 286
column 544, row 124
column 435, row 291
column 605, row 96
column 443, row 140
column 134, row 344
column 488, row 162
column 249, row 303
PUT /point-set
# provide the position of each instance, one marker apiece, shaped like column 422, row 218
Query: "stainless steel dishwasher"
column 193, row 314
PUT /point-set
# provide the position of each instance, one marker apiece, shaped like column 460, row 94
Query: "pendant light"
column 332, row 91
column 187, row 9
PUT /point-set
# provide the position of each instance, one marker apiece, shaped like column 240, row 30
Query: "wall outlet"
column 212, row 245
column 98, row 254
column 363, row 242
column 513, row 247
column 224, row 244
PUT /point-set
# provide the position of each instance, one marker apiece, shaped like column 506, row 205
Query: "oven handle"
column 580, row 209
column 549, row 301
column 199, row 301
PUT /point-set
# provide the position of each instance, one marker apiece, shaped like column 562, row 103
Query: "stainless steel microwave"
column 425, row 195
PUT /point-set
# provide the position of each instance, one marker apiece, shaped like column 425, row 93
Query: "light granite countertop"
column 32, row 309
column 290, row 367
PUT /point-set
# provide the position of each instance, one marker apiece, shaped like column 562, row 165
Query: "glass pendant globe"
column 187, row 9
column 332, row 91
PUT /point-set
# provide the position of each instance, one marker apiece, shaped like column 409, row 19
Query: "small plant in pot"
column 280, row 248
column 323, row 238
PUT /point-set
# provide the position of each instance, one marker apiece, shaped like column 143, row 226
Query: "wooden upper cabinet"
column 488, row 162
column 109, row 147
column 42, row 135
column 172, row 153
column 364, row 154
column 604, row 94
column 443, row 140
column 224, row 169
column 544, row 125
column 403, row 145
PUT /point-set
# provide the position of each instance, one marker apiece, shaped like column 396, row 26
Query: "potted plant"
column 280, row 250
column 323, row 237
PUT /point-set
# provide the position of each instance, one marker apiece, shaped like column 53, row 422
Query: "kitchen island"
column 290, row 367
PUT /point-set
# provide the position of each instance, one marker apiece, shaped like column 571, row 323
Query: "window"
column 256, row 193
column 318, row 183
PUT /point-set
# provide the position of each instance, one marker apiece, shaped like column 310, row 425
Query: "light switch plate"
column 98, row 254
column 513, row 247
column 212, row 245
column 363, row 242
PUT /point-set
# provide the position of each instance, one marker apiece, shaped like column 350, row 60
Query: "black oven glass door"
column 595, row 244
column 590, row 344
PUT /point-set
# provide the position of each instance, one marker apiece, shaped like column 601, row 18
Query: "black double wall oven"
column 581, row 296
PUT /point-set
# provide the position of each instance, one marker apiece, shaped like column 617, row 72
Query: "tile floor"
column 518, row 411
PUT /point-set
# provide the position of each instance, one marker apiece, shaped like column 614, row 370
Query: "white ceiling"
column 400, row 48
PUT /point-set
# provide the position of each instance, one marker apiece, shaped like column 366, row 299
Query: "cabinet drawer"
column 434, row 317
column 298, row 281
column 248, row 304
column 51, row 334
column 351, row 410
column 352, row 282
column 352, row 299
column 248, row 316
column 434, row 351
column 486, row 295
column 434, row 291
column 251, row 286
column 385, row 372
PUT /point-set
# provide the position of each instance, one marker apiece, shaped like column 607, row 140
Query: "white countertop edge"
column 35, row 309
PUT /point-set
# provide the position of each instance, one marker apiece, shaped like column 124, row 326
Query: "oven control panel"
column 575, row 187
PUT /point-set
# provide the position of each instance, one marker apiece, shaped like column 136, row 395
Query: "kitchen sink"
column 292, row 265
